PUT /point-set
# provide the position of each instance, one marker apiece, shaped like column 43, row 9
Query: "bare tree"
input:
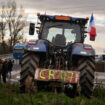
column 2, row 30
column 2, row 25
column 15, row 22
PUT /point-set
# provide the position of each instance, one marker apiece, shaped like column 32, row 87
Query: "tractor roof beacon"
column 58, row 56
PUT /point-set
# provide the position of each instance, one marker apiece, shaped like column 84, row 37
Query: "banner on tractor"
column 57, row 75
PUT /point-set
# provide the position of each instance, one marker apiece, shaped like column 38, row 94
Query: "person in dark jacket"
column 4, row 71
column 1, row 65
column 10, row 65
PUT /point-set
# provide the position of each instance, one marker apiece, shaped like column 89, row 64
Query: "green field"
column 9, row 95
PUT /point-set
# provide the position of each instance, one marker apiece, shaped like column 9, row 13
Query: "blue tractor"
column 18, row 51
column 58, row 56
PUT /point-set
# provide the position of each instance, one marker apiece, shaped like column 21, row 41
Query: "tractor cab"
column 60, row 30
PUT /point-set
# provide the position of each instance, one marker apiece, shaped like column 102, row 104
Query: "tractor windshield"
column 61, row 33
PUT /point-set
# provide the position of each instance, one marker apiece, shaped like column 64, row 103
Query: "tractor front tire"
column 29, row 65
column 87, row 69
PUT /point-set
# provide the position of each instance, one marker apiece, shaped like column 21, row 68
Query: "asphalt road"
column 15, row 74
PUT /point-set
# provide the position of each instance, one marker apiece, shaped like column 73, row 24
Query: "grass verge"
column 9, row 95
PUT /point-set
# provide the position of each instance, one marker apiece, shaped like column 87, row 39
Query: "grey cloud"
column 64, row 6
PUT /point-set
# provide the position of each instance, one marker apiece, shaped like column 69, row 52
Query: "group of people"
column 5, row 69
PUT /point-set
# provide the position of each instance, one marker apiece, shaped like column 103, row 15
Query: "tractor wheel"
column 28, row 67
column 87, row 69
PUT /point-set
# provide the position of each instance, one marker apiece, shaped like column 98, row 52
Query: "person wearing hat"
column 3, row 60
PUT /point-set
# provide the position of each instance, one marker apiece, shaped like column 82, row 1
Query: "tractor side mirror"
column 31, row 29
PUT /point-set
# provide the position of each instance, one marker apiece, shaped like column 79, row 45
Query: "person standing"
column 4, row 71
column 10, row 65
column 1, row 65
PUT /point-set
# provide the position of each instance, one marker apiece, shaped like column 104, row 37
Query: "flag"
column 92, row 29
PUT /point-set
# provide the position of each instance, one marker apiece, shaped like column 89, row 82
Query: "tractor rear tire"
column 87, row 69
column 29, row 65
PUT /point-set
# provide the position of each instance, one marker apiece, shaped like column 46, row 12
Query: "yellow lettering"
column 41, row 72
column 70, row 77
column 62, row 75
column 51, row 74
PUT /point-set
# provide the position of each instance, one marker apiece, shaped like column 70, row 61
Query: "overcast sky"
column 78, row 8
column 68, row 6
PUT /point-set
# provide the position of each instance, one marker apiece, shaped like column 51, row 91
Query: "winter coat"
column 10, row 65
column 1, row 66
column 5, row 68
